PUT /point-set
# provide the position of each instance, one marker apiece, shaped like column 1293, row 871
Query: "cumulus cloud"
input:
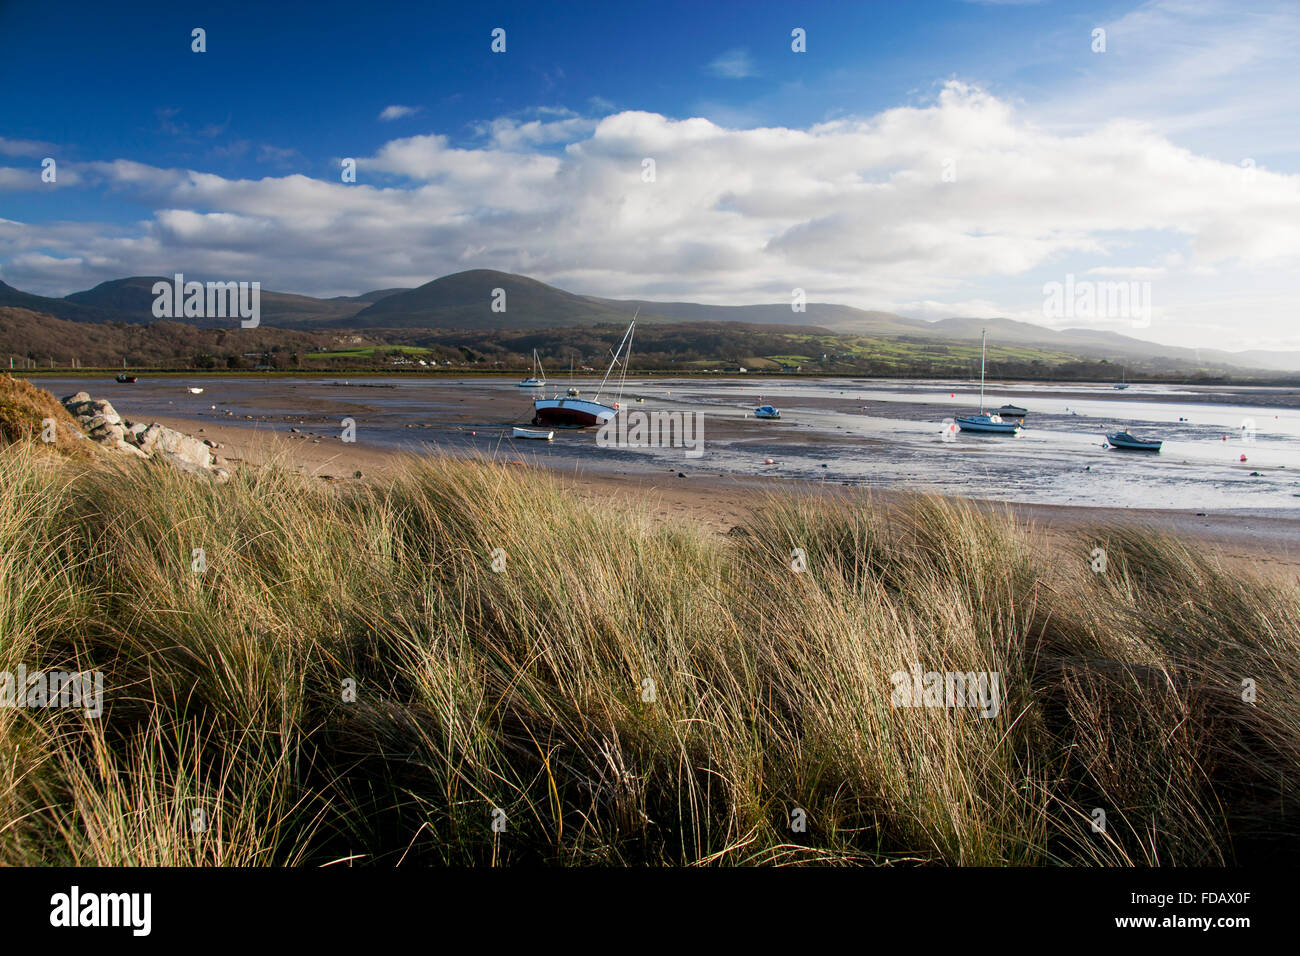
column 962, row 201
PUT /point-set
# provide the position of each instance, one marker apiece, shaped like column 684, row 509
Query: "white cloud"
column 25, row 147
column 858, row 211
column 395, row 112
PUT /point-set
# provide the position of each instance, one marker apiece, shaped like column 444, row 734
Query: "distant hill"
column 1104, row 344
column 131, row 300
column 464, row 301
column 820, row 314
column 59, row 308
column 368, row 296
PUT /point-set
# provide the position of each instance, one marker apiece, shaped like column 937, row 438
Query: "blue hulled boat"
column 988, row 424
column 1127, row 442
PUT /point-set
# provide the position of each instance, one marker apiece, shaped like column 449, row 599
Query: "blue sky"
column 1171, row 158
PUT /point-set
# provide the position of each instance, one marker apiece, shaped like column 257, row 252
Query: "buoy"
column 1243, row 457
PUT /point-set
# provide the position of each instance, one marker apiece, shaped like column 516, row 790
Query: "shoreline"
column 1269, row 545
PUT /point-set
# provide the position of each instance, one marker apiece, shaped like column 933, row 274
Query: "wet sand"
column 716, row 503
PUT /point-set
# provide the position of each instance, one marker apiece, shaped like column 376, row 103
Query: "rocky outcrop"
column 104, row 425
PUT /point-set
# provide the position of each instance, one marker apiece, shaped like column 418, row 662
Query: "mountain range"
column 465, row 300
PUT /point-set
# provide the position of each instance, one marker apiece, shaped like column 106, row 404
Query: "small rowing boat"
column 535, row 433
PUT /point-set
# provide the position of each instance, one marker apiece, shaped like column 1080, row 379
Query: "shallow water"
column 876, row 433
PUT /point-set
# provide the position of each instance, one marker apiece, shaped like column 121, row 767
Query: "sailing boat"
column 575, row 412
column 1123, row 380
column 538, row 377
column 986, row 423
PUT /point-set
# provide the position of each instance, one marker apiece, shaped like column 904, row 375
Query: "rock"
column 148, row 438
column 130, row 449
column 108, row 433
column 102, row 424
column 180, row 449
column 100, row 421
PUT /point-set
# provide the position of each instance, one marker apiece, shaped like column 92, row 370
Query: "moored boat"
column 1012, row 411
column 535, row 433
column 574, row 412
column 125, row 379
column 1126, row 442
column 992, row 424
column 537, row 378
column 988, row 424
column 766, row 411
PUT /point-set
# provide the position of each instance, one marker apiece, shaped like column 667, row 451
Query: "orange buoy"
column 1243, row 457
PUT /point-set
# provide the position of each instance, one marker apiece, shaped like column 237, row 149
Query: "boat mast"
column 614, row 360
column 983, row 335
column 627, row 361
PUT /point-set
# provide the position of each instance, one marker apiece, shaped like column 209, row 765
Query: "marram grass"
column 303, row 675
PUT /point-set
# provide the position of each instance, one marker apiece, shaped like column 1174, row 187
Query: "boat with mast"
column 574, row 412
column 989, row 424
column 538, row 376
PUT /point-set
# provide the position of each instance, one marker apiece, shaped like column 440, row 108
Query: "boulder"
column 147, row 438
column 180, row 448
